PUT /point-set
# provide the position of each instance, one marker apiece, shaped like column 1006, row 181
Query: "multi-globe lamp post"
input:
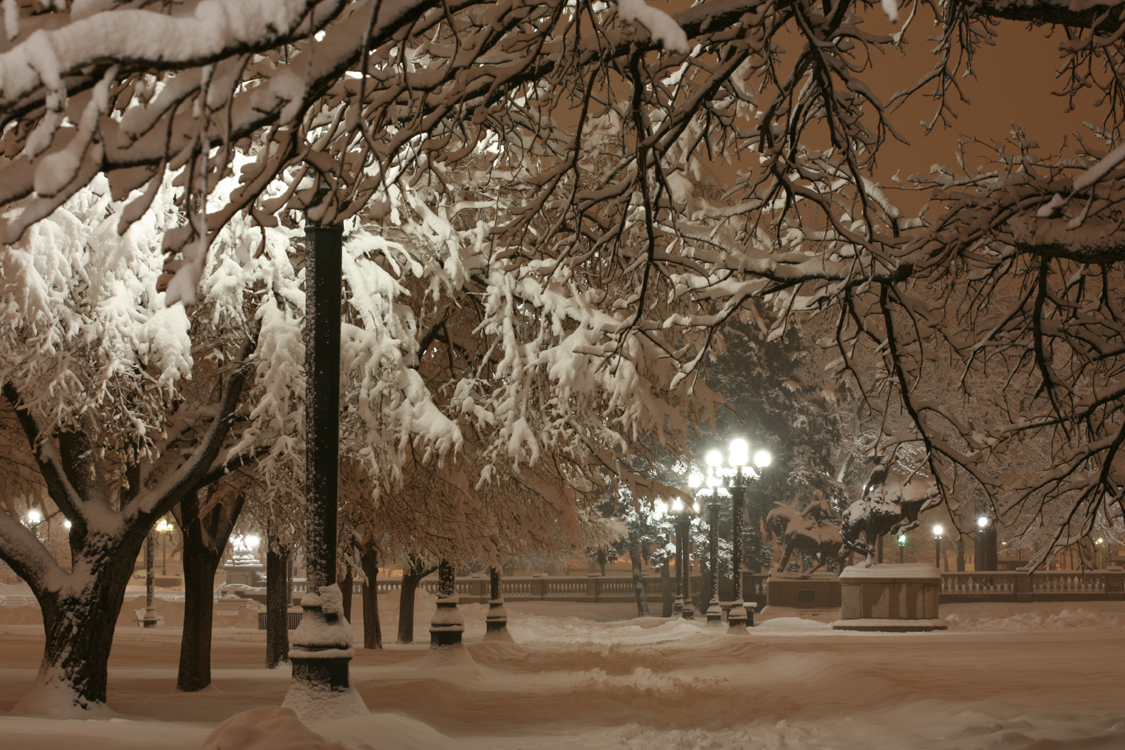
column 735, row 471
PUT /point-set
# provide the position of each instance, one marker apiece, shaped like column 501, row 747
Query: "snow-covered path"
column 1004, row 677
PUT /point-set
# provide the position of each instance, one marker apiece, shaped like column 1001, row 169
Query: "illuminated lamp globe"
column 714, row 459
column 739, row 452
column 762, row 459
column 938, row 529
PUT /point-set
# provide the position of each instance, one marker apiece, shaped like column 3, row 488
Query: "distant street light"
column 937, row 544
column 163, row 528
column 901, row 548
column 986, row 544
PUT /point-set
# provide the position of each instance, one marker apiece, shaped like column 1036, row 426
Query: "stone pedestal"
column 803, row 590
column 894, row 598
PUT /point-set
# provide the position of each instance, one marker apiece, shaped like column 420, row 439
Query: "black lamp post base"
column 736, row 619
column 496, row 623
column 448, row 624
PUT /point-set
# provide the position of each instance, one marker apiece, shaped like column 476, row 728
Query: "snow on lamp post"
column 151, row 619
column 937, row 545
column 496, row 622
column 321, row 646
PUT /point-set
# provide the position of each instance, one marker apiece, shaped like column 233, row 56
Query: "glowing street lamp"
column 986, row 543
column 164, row 529
column 938, row 529
column 736, row 473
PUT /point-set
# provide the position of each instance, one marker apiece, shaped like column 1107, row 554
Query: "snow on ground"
column 1003, row 677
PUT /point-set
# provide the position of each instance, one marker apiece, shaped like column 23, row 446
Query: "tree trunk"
column 410, row 580
column 277, row 603
column 639, row 581
column 666, row 588
column 372, row 630
column 200, row 564
column 205, row 532
column 346, row 588
column 78, row 625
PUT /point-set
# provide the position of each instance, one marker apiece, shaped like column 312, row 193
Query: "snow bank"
column 268, row 729
column 1045, row 617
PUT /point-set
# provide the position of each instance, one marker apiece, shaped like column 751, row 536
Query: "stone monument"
column 895, row 598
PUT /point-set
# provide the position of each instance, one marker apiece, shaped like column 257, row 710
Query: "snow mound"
column 792, row 625
column 269, row 729
column 1043, row 618
column 644, row 680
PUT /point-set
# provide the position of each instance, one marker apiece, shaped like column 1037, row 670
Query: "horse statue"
column 805, row 531
column 884, row 510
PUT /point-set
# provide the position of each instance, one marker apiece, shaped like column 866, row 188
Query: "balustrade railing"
column 999, row 586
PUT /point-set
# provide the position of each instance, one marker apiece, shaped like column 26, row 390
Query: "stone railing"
column 990, row 586
column 610, row 589
column 1040, row 586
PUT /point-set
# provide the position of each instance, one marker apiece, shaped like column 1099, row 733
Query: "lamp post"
column 661, row 509
column 937, row 545
column 736, row 472
column 683, row 528
column 901, row 548
column 163, row 528
column 986, row 544
column 151, row 619
column 714, row 609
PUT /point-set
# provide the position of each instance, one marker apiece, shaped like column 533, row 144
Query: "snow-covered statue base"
column 896, row 598
column 803, row 590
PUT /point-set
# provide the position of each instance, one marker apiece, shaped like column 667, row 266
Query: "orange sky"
column 1014, row 84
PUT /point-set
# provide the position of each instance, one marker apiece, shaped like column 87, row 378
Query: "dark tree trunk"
column 79, row 628
column 200, row 564
column 372, row 630
column 277, row 603
column 346, row 587
column 666, row 589
column 410, row 579
column 639, row 581
column 205, row 531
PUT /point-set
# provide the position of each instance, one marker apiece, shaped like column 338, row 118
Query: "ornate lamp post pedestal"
column 448, row 624
column 496, row 623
